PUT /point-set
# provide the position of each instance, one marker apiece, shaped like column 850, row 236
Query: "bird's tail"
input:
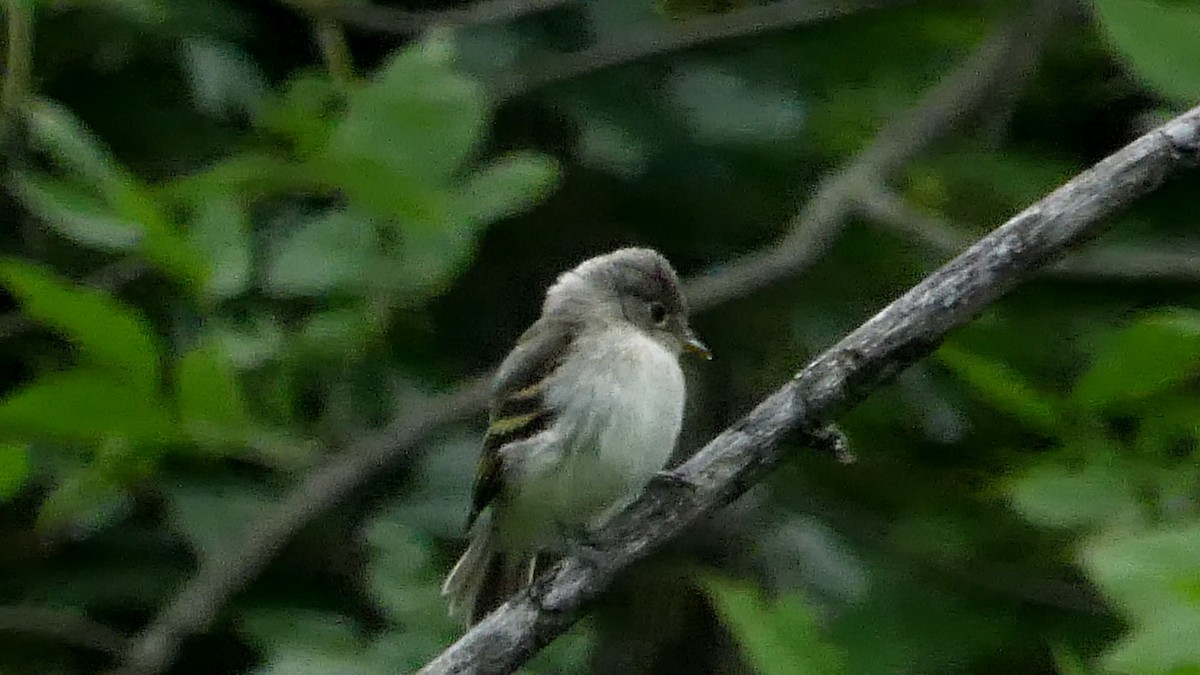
column 484, row 577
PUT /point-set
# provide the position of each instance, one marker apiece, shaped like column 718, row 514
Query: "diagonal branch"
column 909, row 328
column 960, row 95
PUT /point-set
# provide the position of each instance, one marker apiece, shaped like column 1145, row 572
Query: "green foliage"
column 371, row 199
column 1154, row 355
column 103, row 196
column 1003, row 388
column 14, row 467
column 1054, row 495
column 1130, row 500
column 210, row 401
column 109, row 337
column 1152, row 575
column 215, row 515
column 318, row 254
column 1158, row 39
column 778, row 637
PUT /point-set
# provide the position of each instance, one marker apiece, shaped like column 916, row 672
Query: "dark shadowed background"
column 257, row 256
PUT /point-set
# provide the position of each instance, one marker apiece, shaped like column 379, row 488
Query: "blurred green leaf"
column 317, row 659
column 302, row 114
column 1143, row 572
column 438, row 501
column 75, row 214
column 406, row 133
column 1165, row 645
column 327, row 252
column 224, row 80
column 1157, row 38
column 221, row 233
column 249, row 344
column 88, row 499
column 401, row 574
column 210, row 401
column 1056, row 496
column 416, row 116
column 107, row 333
column 309, row 640
column 1066, row 662
column 335, row 330
column 56, row 130
column 67, row 140
column 1003, row 388
column 14, row 468
column 408, row 197
column 778, row 638
column 404, row 580
column 215, row 515
column 508, row 185
column 1151, row 356
column 249, row 174
column 83, row 406
column 428, row 260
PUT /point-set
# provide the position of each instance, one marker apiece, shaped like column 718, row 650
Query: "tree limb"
column 960, row 95
column 906, row 330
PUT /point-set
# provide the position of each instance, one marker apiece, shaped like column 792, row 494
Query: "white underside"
column 621, row 406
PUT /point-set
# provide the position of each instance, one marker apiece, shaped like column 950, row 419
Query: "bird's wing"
column 518, row 407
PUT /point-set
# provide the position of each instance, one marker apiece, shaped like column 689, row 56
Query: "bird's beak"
column 693, row 345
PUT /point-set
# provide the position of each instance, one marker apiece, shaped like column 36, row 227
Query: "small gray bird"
column 584, row 411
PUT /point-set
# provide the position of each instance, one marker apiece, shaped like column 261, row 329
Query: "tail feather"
column 484, row 577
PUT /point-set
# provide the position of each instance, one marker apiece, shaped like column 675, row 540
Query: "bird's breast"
column 620, row 408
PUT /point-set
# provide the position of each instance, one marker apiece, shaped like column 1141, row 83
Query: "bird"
column 584, row 411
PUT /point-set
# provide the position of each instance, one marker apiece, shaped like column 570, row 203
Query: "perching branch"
column 906, row 330
column 956, row 99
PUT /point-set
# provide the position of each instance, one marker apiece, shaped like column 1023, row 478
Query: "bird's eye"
column 658, row 313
